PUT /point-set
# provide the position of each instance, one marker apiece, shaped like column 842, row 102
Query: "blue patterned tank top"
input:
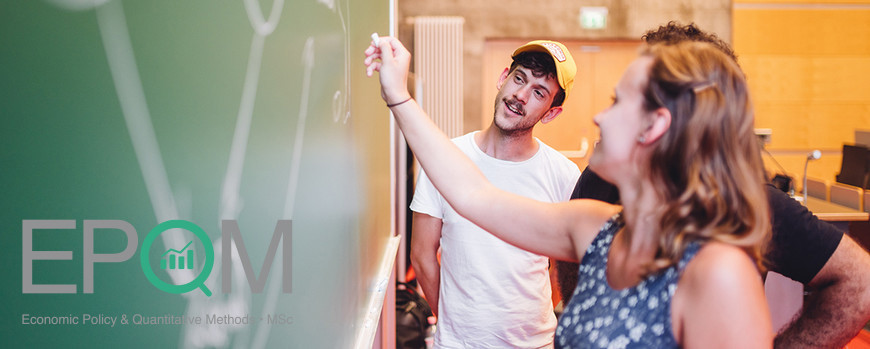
column 636, row 317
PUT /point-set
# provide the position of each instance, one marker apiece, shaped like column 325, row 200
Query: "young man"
column 802, row 248
column 487, row 293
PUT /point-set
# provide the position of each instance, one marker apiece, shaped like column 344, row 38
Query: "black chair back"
column 855, row 168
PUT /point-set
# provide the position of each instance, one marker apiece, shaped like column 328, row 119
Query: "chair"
column 817, row 188
column 846, row 195
column 855, row 166
column 860, row 231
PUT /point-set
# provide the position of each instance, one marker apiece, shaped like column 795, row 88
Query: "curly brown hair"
column 673, row 33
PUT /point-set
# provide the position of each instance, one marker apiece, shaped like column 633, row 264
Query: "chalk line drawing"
column 230, row 201
column 128, row 85
column 308, row 63
column 271, row 302
column 341, row 100
column 134, row 106
column 78, row 5
column 255, row 16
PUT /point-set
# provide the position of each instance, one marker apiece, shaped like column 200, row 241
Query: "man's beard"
column 519, row 127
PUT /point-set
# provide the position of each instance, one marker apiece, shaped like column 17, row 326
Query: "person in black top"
column 794, row 251
column 802, row 247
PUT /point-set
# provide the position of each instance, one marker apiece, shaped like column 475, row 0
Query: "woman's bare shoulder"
column 586, row 217
column 720, row 298
column 718, row 267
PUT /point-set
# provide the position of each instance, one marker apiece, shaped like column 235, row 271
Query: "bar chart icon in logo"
column 171, row 256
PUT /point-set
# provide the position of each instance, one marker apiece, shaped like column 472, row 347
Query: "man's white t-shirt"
column 492, row 294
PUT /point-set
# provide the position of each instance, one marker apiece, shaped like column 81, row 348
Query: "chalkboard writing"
column 147, row 111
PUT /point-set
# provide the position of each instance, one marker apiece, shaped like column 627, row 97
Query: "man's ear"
column 551, row 114
column 661, row 122
column 502, row 78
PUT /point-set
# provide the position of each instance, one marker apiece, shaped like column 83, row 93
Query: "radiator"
column 438, row 70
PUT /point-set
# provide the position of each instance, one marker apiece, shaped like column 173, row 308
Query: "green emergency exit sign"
column 593, row 17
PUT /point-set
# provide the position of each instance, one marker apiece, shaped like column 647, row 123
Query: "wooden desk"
column 831, row 212
column 844, row 218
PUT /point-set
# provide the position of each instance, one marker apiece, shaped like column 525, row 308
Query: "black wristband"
column 396, row 104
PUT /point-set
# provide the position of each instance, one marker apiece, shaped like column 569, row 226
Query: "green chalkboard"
column 201, row 111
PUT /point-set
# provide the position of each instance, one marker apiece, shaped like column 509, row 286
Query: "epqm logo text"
column 174, row 258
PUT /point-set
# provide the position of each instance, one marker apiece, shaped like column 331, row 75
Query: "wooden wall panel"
column 776, row 78
column 786, row 121
column 801, row 31
column 808, row 67
column 798, row 2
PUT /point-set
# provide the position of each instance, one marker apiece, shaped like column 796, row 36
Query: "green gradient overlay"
column 67, row 152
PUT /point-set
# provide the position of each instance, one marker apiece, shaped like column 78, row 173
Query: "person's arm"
column 830, row 264
column 589, row 186
column 719, row 301
column 425, row 241
column 839, row 305
column 555, row 230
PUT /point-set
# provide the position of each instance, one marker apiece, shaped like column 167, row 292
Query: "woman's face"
column 622, row 123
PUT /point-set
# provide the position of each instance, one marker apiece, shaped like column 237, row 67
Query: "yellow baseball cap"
column 565, row 67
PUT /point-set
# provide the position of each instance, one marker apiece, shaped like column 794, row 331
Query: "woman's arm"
column 539, row 227
column 719, row 301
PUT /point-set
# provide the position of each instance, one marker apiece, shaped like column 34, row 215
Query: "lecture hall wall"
column 808, row 62
column 808, row 67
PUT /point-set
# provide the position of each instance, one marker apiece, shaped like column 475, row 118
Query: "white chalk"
column 376, row 39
